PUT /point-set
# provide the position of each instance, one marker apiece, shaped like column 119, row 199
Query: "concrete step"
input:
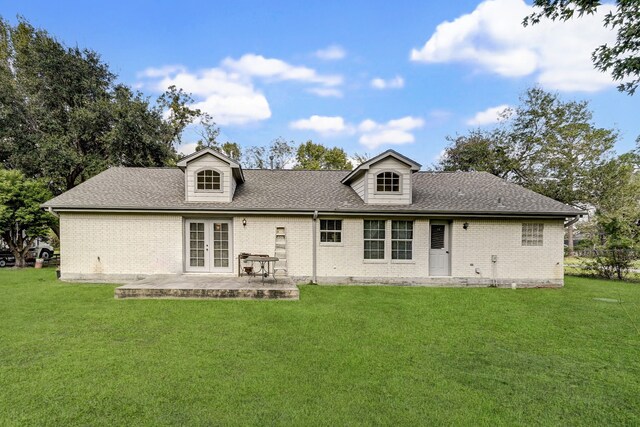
column 209, row 286
column 204, row 293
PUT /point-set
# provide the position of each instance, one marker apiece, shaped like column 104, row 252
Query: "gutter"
column 404, row 213
column 571, row 222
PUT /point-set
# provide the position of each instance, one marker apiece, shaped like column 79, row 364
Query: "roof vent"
column 460, row 193
column 500, row 204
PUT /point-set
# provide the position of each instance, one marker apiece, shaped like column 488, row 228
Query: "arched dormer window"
column 387, row 182
column 208, row 180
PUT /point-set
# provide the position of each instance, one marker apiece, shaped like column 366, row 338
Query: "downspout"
column 573, row 221
column 314, row 278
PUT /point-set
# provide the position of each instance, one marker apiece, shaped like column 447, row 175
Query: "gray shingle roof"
column 288, row 190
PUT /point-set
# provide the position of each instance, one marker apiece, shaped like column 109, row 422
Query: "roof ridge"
column 142, row 167
column 453, row 172
column 298, row 170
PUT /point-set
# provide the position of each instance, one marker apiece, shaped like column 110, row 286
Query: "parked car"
column 39, row 250
column 6, row 258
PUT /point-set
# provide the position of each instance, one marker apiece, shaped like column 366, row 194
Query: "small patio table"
column 265, row 265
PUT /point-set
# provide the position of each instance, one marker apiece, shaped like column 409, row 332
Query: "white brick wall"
column 347, row 258
column 503, row 238
column 259, row 237
column 95, row 245
column 92, row 245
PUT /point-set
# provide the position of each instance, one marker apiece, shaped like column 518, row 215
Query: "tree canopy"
column 316, row 156
column 545, row 144
column 278, row 155
column 622, row 59
column 64, row 118
column 21, row 218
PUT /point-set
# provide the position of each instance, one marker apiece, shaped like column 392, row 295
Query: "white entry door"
column 208, row 246
column 439, row 258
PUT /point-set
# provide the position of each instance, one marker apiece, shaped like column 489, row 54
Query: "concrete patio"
column 203, row 286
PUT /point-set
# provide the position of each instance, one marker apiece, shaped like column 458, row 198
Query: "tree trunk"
column 570, row 240
column 20, row 254
column 20, row 261
column 18, row 247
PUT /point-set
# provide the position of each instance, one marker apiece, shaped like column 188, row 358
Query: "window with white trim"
column 402, row 240
column 532, row 234
column 374, row 238
column 388, row 182
column 330, row 231
column 208, row 179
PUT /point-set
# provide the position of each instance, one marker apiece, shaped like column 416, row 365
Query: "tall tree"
column 555, row 147
column 63, row 117
column 278, row 155
column 314, row 156
column 545, row 144
column 209, row 133
column 361, row 158
column 480, row 150
column 21, row 218
column 622, row 59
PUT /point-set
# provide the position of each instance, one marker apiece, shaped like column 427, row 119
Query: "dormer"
column 210, row 176
column 384, row 179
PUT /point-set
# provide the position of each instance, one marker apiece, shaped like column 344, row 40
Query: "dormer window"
column 208, row 180
column 388, row 182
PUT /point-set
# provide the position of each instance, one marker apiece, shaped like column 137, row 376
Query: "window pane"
column 388, row 182
column 330, row 230
column 437, row 236
column 208, row 180
column 532, row 234
column 374, row 235
column 401, row 239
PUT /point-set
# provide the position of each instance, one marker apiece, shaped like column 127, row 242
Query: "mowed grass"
column 70, row 354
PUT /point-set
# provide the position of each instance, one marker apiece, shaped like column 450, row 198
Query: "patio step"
column 203, row 293
column 208, row 287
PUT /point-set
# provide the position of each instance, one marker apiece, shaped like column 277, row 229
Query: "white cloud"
column 394, row 132
column 331, row 53
column 187, row 148
column 488, row 116
column 258, row 66
column 153, row 72
column 324, row 125
column 371, row 133
column 492, row 38
column 326, row 92
column 395, row 83
column 227, row 92
column 229, row 98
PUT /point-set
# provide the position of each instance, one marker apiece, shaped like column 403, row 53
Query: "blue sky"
column 362, row 75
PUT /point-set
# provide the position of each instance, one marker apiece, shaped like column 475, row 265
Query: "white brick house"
column 383, row 222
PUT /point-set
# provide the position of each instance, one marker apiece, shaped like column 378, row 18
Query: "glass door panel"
column 197, row 253
column 221, row 245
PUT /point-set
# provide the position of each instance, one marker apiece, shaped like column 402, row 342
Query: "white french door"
column 208, row 246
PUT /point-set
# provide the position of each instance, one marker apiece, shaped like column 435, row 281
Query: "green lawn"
column 70, row 354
